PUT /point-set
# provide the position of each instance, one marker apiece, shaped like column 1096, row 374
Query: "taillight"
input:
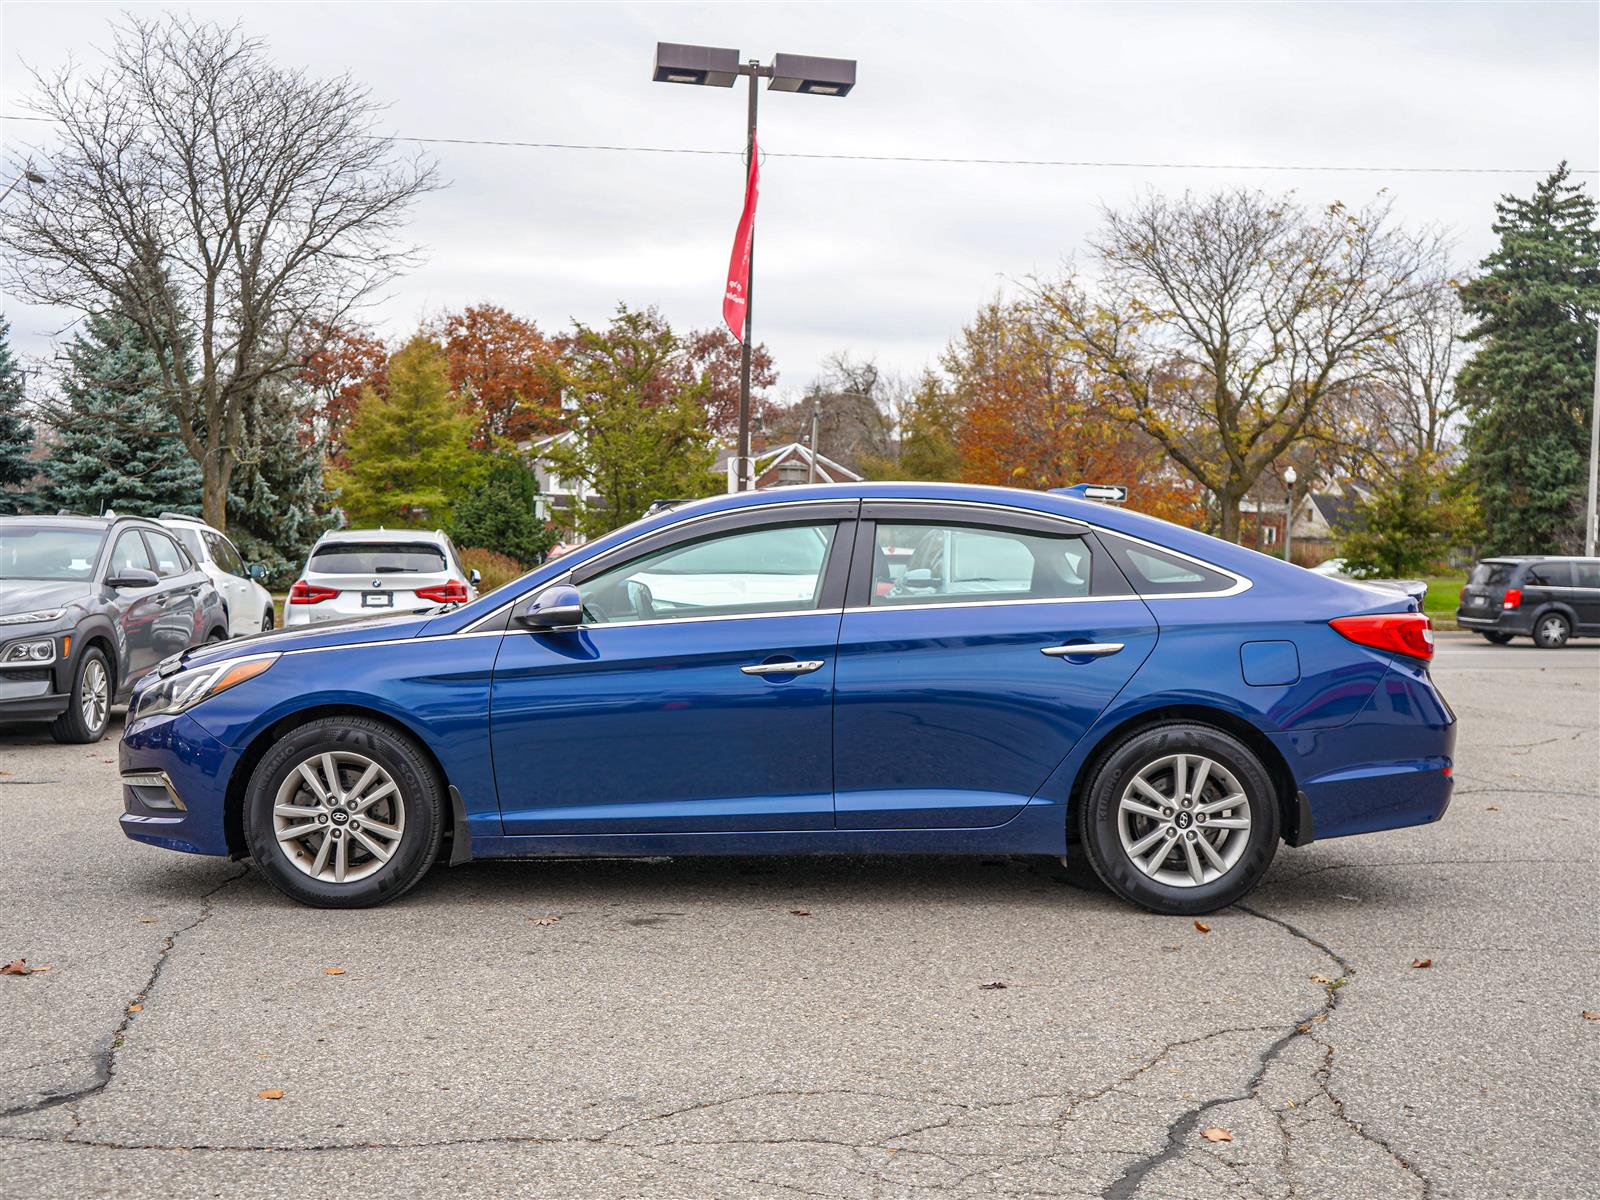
column 310, row 593
column 1512, row 599
column 1402, row 633
column 453, row 592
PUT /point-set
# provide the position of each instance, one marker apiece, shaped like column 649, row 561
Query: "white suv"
column 249, row 604
column 373, row 572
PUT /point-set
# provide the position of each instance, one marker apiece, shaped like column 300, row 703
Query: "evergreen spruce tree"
column 498, row 515
column 277, row 501
column 1529, row 388
column 119, row 446
column 408, row 452
column 16, row 435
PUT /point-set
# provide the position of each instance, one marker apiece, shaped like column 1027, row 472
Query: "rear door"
column 1586, row 594
column 958, row 692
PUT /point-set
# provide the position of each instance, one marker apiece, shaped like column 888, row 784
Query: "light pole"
column 1592, row 516
column 713, row 66
column 30, row 176
column 816, row 415
column 1288, row 516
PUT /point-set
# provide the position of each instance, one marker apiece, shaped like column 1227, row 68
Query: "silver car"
column 372, row 572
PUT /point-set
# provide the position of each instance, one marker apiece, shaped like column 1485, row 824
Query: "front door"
column 958, row 691
column 697, row 696
column 138, row 609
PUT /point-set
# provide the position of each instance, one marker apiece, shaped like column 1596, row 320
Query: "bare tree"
column 224, row 205
column 1226, row 326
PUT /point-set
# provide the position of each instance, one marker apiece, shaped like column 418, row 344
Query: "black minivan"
column 1546, row 598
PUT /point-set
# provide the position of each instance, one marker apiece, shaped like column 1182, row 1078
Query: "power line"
column 507, row 143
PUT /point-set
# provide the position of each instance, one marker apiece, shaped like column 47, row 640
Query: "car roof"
column 383, row 535
column 74, row 521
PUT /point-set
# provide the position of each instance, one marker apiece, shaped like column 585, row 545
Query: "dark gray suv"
column 87, row 606
column 1549, row 599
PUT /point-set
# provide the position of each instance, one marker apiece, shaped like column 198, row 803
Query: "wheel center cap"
column 1183, row 820
column 338, row 816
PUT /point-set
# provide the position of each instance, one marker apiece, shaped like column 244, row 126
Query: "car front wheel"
column 1551, row 631
column 89, row 707
column 1180, row 819
column 344, row 812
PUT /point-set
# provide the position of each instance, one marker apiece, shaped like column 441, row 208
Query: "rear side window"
column 1155, row 572
column 1491, row 574
column 1587, row 573
column 932, row 563
column 377, row 558
column 1549, row 574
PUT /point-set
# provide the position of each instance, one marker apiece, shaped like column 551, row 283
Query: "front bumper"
column 30, row 701
column 195, row 765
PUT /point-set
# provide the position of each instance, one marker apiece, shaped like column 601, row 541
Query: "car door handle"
column 784, row 668
column 1086, row 649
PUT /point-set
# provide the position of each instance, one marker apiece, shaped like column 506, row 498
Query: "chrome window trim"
column 914, row 607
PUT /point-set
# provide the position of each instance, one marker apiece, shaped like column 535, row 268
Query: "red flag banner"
column 735, row 300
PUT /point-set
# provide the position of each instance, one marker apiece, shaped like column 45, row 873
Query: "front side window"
column 129, row 554
column 771, row 570
column 169, row 559
column 377, row 558
column 933, row 563
column 31, row 552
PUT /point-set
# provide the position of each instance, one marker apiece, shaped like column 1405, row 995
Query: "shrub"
column 498, row 513
column 496, row 569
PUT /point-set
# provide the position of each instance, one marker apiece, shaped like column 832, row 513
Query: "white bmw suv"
column 249, row 604
column 371, row 572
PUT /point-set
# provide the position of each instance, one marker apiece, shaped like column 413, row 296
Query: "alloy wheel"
column 338, row 816
column 1552, row 631
column 94, row 698
column 1184, row 820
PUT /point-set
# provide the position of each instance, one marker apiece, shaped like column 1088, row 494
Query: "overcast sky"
column 888, row 260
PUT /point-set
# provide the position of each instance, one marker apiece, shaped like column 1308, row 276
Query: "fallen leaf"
column 270, row 1094
column 1322, row 979
column 333, row 970
column 545, row 920
column 1588, row 1015
column 996, row 986
column 135, row 1008
column 799, row 912
column 147, row 920
column 1492, row 808
column 17, row 966
column 1215, row 1133
column 1202, row 927
column 1421, row 963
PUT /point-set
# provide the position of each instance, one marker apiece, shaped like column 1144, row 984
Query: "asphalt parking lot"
column 826, row 1027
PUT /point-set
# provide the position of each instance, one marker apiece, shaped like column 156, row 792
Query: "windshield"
column 377, row 558
column 35, row 552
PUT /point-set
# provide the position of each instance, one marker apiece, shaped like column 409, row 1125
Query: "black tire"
column 1499, row 639
column 72, row 727
column 420, row 792
column 1551, row 631
column 267, row 619
column 1098, row 830
column 216, row 635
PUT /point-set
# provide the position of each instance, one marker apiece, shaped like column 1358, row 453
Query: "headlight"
column 182, row 691
column 43, row 614
column 35, row 652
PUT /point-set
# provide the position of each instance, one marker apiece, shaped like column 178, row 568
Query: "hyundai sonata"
column 891, row 668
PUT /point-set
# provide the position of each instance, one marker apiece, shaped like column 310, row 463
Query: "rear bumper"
column 1390, row 767
column 1514, row 620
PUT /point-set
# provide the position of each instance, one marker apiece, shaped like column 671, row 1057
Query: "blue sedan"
column 891, row 668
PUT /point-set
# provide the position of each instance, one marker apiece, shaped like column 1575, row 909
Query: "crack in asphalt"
column 105, row 1059
column 1179, row 1131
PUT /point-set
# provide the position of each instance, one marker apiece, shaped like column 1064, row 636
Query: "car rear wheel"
column 89, row 708
column 1180, row 819
column 267, row 619
column 1499, row 639
column 344, row 812
column 1551, row 631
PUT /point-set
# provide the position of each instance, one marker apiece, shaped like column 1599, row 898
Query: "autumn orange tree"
column 499, row 365
column 339, row 365
column 1029, row 417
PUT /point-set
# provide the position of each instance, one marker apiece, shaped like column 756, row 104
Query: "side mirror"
column 921, row 578
column 474, row 577
column 557, row 607
column 256, row 571
column 132, row 577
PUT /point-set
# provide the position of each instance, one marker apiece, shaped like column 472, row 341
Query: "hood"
column 308, row 637
column 26, row 595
